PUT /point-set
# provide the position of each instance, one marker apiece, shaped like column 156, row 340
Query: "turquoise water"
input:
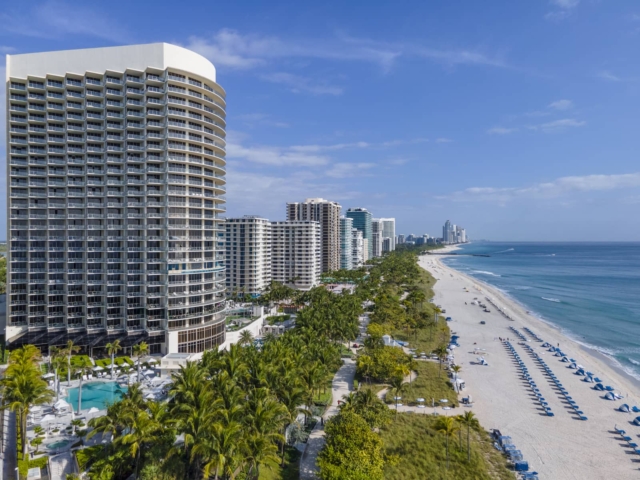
column 96, row 394
column 590, row 290
column 58, row 444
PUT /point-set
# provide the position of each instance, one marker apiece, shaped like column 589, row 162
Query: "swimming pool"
column 58, row 445
column 96, row 394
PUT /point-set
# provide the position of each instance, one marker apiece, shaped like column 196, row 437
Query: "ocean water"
column 591, row 291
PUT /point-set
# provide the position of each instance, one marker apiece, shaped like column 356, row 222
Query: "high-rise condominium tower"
column 248, row 258
column 116, row 161
column 295, row 253
column 389, row 231
column 326, row 213
column 376, row 236
column 362, row 221
column 346, row 241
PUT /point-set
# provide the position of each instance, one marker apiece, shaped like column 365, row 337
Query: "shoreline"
column 591, row 350
column 562, row 446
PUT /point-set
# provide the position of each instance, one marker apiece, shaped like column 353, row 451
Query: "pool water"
column 58, row 444
column 96, row 394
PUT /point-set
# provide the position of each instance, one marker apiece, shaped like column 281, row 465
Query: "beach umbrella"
column 48, row 375
column 420, row 400
column 48, row 418
column 98, row 368
column 93, row 410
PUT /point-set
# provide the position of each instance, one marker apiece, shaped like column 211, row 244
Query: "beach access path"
column 341, row 385
column 559, row 447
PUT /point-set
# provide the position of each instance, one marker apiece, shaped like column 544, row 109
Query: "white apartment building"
column 388, row 228
column 346, row 240
column 116, row 168
column 296, row 253
column 248, row 255
column 358, row 248
column 327, row 214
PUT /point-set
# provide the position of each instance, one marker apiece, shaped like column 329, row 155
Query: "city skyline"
column 546, row 136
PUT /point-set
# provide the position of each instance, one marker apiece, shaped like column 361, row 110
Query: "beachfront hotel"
column 116, row 166
column 248, row 255
column 346, row 243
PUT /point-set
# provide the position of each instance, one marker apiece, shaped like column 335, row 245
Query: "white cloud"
column 298, row 83
column 561, row 105
column 261, row 119
column 566, row 4
column 558, row 125
column 606, row 75
column 54, row 19
column 274, row 156
column 501, row 131
column 343, row 170
column 556, row 188
column 565, row 7
column 230, row 48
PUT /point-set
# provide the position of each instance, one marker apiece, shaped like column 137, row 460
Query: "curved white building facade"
column 116, row 167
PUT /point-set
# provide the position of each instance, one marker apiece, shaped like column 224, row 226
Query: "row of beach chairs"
column 535, row 336
column 525, row 374
column 518, row 333
column 563, row 391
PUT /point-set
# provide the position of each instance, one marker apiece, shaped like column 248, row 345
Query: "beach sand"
column 559, row 447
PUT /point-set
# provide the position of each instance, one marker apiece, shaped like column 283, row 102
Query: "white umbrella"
column 148, row 372
column 420, row 399
column 93, row 410
column 154, row 360
column 98, row 369
column 61, row 404
column 48, row 418
column 48, row 375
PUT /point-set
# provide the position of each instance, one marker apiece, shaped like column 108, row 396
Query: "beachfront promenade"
column 562, row 446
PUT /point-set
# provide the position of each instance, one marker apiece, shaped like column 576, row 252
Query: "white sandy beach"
column 559, row 447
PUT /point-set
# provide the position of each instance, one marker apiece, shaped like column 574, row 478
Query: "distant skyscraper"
column 376, row 235
column 358, row 249
column 362, row 221
column 346, row 243
column 401, row 239
column 326, row 213
column 447, row 232
column 389, row 231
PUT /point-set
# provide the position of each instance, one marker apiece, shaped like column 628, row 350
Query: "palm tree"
column 139, row 350
column 82, row 369
column 441, row 352
column 57, row 361
column 69, row 350
column 447, row 426
column 246, row 338
column 397, row 387
column 23, row 387
column 455, row 369
column 112, row 349
column 469, row 419
column 144, row 431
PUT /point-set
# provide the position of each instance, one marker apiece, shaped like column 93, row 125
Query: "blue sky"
column 517, row 120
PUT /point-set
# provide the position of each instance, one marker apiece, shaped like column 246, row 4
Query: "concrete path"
column 342, row 384
column 8, row 455
column 61, row 466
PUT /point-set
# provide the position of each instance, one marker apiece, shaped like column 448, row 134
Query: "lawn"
column 422, row 454
column 119, row 361
column 291, row 470
column 430, row 383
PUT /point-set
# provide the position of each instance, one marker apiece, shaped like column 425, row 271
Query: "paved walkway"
column 342, row 384
column 8, row 456
column 61, row 466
